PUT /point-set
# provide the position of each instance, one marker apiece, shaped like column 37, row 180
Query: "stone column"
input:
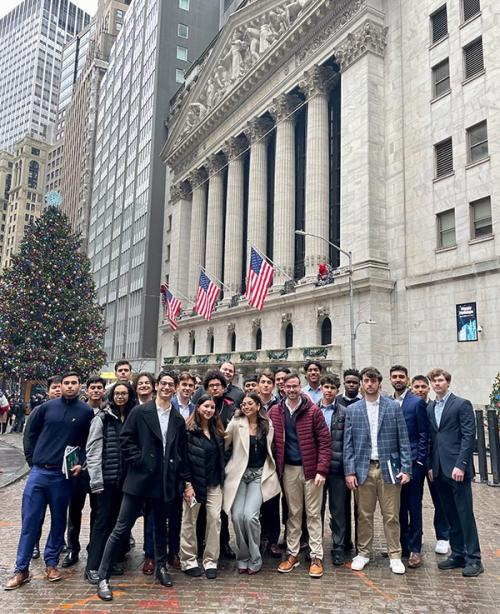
column 284, row 185
column 215, row 216
column 179, row 245
column 198, row 180
column 233, row 240
column 257, row 184
column 316, row 86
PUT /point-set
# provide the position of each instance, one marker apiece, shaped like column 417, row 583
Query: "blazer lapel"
column 171, row 431
column 364, row 413
column 381, row 413
column 432, row 415
column 151, row 419
column 244, row 432
column 446, row 409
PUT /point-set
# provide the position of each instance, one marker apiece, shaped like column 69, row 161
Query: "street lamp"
column 359, row 324
column 302, row 233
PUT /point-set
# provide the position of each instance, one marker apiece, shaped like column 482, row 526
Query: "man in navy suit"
column 410, row 513
column 377, row 461
column 452, row 434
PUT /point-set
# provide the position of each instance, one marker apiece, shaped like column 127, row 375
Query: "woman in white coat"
column 251, row 478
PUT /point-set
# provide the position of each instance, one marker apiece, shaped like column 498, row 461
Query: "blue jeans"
column 44, row 487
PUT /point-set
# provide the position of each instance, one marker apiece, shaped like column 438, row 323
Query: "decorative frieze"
column 318, row 80
column 284, row 106
column 369, row 37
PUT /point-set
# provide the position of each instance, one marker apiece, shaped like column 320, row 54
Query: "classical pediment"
column 250, row 34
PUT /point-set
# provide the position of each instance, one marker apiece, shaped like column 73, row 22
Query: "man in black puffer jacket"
column 336, row 488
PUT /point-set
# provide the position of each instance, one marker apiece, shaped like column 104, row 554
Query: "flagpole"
column 278, row 268
column 183, row 296
column 216, row 279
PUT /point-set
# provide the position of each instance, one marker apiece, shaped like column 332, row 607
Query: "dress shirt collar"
column 444, row 399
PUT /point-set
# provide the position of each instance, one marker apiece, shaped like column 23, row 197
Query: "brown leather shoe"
column 174, row 561
column 148, row 568
column 53, row 574
column 289, row 564
column 17, row 580
column 414, row 560
column 316, row 568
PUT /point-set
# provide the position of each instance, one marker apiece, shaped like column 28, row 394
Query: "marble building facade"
column 328, row 117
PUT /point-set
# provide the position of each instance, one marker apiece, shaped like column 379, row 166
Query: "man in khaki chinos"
column 377, row 461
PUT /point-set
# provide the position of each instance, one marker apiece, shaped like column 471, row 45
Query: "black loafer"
column 91, row 576
column 338, row 557
column 471, row 570
column 104, row 591
column 193, row 572
column 451, row 563
column 227, row 553
column 70, row 559
column 36, row 552
column 211, row 573
column 117, row 570
column 163, row 577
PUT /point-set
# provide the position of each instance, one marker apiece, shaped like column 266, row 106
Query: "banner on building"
column 466, row 322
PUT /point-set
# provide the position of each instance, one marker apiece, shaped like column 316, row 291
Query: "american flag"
column 171, row 305
column 260, row 276
column 208, row 293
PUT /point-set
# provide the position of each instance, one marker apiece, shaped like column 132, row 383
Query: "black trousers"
column 174, row 517
column 80, row 488
column 457, row 502
column 410, row 511
column 270, row 521
column 130, row 510
column 336, row 490
column 107, row 507
column 441, row 524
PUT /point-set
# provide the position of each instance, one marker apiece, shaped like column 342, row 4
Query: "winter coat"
column 196, row 462
column 337, row 435
column 312, row 433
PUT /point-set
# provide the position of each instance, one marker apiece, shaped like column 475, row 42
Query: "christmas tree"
column 495, row 393
column 49, row 317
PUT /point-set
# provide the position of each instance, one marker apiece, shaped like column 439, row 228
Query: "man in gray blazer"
column 377, row 461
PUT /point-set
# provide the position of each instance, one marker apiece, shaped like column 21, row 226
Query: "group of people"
column 12, row 412
column 190, row 455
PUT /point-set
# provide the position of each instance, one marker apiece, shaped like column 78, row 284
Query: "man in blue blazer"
column 452, row 434
column 410, row 513
column 377, row 461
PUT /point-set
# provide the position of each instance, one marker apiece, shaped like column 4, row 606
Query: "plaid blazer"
column 392, row 439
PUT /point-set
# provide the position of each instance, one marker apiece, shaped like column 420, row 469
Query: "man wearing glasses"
column 153, row 443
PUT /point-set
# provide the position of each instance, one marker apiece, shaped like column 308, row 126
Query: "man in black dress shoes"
column 153, row 442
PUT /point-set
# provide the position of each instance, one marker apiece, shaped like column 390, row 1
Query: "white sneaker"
column 397, row 566
column 359, row 562
column 442, row 546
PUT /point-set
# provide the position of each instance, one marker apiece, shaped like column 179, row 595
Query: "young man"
column 184, row 393
column 144, row 386
column 313, row 370
column 250, row 384
column 452, row 435
column 376, row 442
column 231, row 392
column 303, row 454
column 336, row 488
column 153, row 442
column 410, row 513
column 352, row 384
column 420, row 387
column 57, row 423
column 279, row 380
column 123, row 371
column 80, row 486
column 266, row 383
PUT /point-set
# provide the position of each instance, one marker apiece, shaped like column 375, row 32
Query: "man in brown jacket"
column 303, row 454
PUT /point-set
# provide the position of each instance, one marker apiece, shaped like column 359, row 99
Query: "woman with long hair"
column 205, row 453
column 251, row 478
column 106, row 470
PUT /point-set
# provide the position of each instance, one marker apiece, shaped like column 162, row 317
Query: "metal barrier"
column 494, row 441
column 491, row 445
column 481, row 447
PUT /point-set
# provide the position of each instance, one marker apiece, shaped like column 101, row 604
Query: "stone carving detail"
column 210, row 331
column 256, row 323
column 286, row 317
column 180, row 191
column 235, row 147
column 231, row 327
column 216, row 163
column 368, row 37
column 283, row 106
column 258, row 128
column 323, row 312
column 197, row 178
column 318, row 80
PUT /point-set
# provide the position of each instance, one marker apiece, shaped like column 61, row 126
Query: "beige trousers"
column 299, row 491
column 189, row 544
column 388, row 495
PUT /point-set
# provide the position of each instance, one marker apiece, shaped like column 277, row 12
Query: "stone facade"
column 371, row 62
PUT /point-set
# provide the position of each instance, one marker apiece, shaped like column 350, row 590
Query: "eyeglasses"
column 121, row 394
column 214, row 386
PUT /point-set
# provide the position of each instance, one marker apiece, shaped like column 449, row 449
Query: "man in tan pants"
column 377, row 461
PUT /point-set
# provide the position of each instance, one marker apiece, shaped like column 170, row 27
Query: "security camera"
column 479, row 328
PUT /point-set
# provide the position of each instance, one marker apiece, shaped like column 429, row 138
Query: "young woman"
column 251, row 478
column 206, row 470
column 106, row 470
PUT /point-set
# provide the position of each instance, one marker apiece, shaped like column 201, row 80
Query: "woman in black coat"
column 205, row 454
column 106, row 470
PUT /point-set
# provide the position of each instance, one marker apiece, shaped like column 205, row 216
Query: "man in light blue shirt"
column 313, row 370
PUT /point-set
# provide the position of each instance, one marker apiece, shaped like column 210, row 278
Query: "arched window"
column 211, row 344
column 233, row 342
column 289, row 335
column 176, row 347
column 258, row 339
column 193, row 345
column 326, row 332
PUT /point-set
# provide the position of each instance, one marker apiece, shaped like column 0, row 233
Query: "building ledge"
column 481, row 239
column 481, row 267
column 477, row 162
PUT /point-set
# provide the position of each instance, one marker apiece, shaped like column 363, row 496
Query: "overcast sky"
column 87, row 5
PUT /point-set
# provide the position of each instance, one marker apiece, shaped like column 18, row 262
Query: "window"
column 35, row 151
column 179, row 75
column 193, row 345
column 233, row 342
column 473, row 58
column 184, row 5
column 470, row 8
column 480, row 215
column 446, row 229
column 477, row 142
column 182, row 31
column 444, row 158
column 289, row 335
column 258, row 339
column 182, row 53
column 326, row 332
column 33, row 174
column 441, row 78
column 439, row 24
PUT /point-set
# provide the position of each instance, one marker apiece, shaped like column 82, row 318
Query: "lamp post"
column 358, row 325
column 302, row 233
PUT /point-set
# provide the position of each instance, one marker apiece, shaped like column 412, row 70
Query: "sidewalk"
column 12, row 463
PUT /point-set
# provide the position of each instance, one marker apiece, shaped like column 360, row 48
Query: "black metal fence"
column 487, row 447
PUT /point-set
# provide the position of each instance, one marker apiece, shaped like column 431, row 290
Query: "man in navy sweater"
column 58, row 423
